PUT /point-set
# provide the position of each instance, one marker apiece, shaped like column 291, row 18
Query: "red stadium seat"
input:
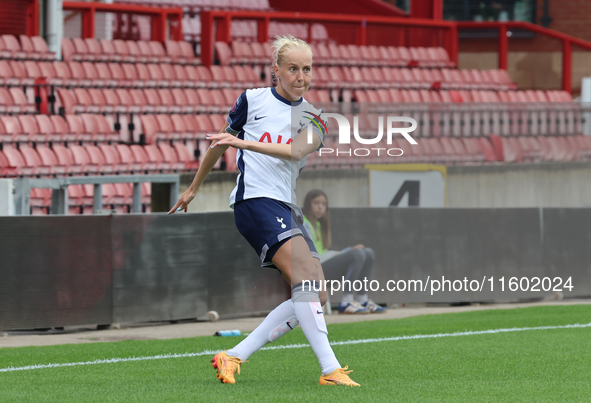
column 47, row 130
column 155, row 156
column 167, row 101
column 153, row 99
column 64, row 159
column 40, row 47
column 170, row 155
column 4, row 52
column 29, row 127
column 198, row 126
column 68, row 50
column 79, row 200
column 91, row 126
column 20, row 74
column 5, row 100
column 31, row 69
column 98, row 98
column 62, row 71
column 117, row 74
column 127, row 157
column 134, row 51
column 179, row 125
column 81, row 157
column 194, row 100
column 97, row 158
column 77, row 74
column 167, row 130
column 146, row 52
column 14, row 48
column 168, row 74
column 150, row 128
column 7, row 76
column 181, row 101
column 62, row 129
column 219, row 78
column 93, row 48
column 68, row 101
column 111, row 156
column 139, row 100
column 141, row 156
column 49, row 159
column 20, row 103
column 261, row 52
column 346, row 54
column 13, row 130
column 173, row 51
column 192, row 76
column 104, row 75
column 157, row 51
column 241, row 53
column 204, row 76
column 76, row 125
column 218, row 121
column 124, row 191
column 109, row 50
column 85, row 101
column 121, row 48
column 144, row 75
column 188, row 53
column 157, row 76
column 16, row 162
column 81, row 49
column 181, row 76
column 223, row 53
column 112, row 102
column 185, row 156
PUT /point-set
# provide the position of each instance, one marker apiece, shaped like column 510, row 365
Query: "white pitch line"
column 290, row 346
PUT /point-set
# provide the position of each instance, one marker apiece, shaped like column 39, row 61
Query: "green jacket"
column 315, row 235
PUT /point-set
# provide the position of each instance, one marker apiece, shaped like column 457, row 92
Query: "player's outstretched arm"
column 295, row 151
column 209, row 160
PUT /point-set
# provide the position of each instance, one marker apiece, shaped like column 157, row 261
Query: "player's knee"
column 369, row 254
column 358, row 254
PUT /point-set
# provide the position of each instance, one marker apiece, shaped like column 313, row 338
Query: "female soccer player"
column 263, row 125
column 352, row 263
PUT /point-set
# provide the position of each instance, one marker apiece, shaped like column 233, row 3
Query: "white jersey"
column 263, row 115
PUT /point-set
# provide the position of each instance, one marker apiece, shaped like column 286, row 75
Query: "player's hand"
column 226, row 139
column 183, row 203
column 358, row 246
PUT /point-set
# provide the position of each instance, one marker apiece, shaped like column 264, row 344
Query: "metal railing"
column 59, row 204
column 159, row 16
column 440, row 33
column 504, row 34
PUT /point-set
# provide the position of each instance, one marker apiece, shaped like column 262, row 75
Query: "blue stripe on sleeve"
column 238, row 115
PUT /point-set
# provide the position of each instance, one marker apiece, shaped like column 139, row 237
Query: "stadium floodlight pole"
column 55, row 27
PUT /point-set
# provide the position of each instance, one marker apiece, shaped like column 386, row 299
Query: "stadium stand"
column 143, row 107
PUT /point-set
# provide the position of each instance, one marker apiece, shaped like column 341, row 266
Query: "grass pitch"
column 531, row 365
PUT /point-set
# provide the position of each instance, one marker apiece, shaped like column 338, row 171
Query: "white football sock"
column 309, row 312
column 361, row 298
column 278, row 322
column 348, row 297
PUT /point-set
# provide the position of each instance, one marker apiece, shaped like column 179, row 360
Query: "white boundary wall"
column 523, row 185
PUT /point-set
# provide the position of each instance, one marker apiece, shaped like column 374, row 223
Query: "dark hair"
column 324, row 220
